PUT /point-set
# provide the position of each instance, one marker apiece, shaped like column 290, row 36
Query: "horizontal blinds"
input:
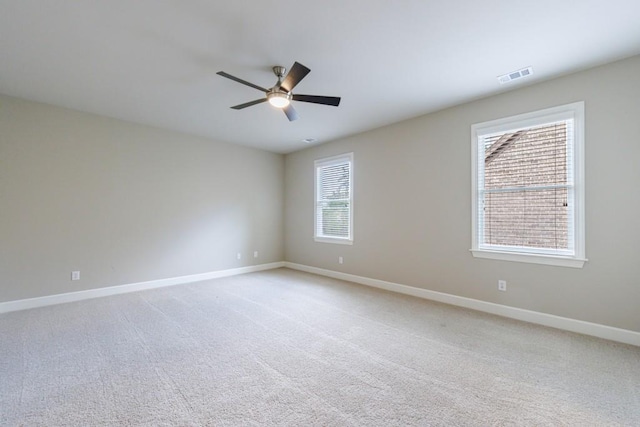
column 526, row 188
column 333, row 204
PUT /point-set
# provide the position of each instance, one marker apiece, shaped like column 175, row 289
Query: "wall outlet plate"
column 502, row 285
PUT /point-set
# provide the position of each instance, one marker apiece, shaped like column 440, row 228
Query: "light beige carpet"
column 288, row 348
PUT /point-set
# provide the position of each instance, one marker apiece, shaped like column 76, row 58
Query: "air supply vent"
column 515, row 75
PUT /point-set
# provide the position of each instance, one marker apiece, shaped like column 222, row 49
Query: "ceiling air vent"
column 515, row 75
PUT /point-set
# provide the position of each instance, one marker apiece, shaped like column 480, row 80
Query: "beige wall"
column 125, row 203
column 412, row 208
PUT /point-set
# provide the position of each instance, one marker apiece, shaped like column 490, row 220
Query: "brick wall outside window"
column 535, row 217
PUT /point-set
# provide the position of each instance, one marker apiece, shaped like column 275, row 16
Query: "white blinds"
column 333, row 198
column 525, row 192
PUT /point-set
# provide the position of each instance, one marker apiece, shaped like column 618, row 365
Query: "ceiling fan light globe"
column 278, row 99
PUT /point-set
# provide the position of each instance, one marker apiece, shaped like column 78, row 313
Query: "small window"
column 334, row 199
column 528, row 187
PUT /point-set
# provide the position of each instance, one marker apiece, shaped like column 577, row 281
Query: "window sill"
column 333, row 240
column 559, row 261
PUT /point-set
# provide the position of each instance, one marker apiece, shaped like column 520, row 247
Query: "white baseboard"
column 565, row 323
column 25, row 304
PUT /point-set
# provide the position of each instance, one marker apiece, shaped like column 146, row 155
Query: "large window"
column 334, row 199
column 528, row 187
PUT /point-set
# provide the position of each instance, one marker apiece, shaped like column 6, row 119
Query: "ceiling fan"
column 280, row 95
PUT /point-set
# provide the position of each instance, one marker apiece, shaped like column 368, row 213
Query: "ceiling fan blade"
column 291, row 113
column 325, row 100
column 297, row 73
column 244, row 82
column 249, row 104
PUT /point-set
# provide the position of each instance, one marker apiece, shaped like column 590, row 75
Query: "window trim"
column 573, row 111
column 330, row 161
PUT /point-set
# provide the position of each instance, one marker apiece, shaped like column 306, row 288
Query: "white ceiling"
column 154, row 61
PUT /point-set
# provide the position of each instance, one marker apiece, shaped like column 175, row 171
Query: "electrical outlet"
column 502, row 285
column 75, row 275
column 239, row 255
column 340, row 260
column 255, row 254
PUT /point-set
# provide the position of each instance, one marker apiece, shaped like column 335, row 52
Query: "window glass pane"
column 528, row 157
column 334, row 182
column 527, row 218
column 334, row 218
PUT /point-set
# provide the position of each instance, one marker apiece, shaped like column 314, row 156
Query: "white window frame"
column 330, row 161
column 575, row 259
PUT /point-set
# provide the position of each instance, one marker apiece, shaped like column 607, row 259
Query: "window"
column 528, row 187
column 334, row 199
